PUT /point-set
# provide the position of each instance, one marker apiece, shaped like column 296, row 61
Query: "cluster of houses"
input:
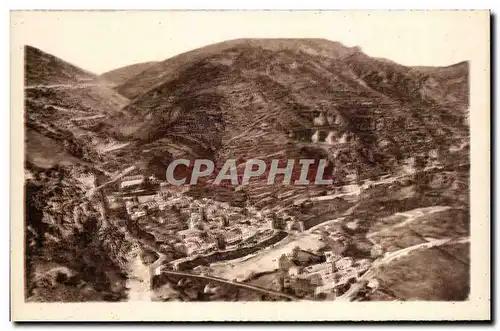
column 210, row 225
column 214, row 225
column 328, row 277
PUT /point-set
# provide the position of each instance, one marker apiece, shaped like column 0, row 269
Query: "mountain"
column 66, row 112
column 448, row 85
column 294, row 98
column 168, row 69
column 395, row 137
column 66, row 108
column 123, row 74
column 43, row 69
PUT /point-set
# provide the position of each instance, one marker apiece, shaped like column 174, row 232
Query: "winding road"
column 353, row 290
column 65, row 86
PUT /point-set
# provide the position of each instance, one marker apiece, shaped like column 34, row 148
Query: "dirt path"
column 65, row 86
column 139, row 281
column 411, row 216
column 347, row 296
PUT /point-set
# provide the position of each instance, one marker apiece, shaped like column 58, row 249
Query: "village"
column 206, row 227
column 330, row 277
column 203, row 225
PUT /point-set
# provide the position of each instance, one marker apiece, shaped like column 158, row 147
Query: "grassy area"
column 432, row 274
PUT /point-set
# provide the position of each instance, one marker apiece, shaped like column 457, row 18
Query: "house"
column 343, row 139
column 150, row 205
column 131, row 182
column 294, row 224
column 294, row 271
column 194, row 220
column 192, row 246
column 111, row 198
column 188, row 233
column 408, row 165
column 376, row 251
column 315, row 137
column 330, row 119
column 247, row 233
column 315, row 279
column 153, row 179
column 330, row 256
column 162, row 205
column 320, row 120
column 321, row 268
column 129, row 205
column 383, row 143
column 433, row 154
column 343, row 263
column 373, row 283
column 330, row 139
column 278, row 223
column 327, row 288
column 136, row 214
column 232, row 236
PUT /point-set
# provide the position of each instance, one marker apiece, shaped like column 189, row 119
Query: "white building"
column 321, row 269
column 194, row 219
column 331, row 256
column 293, row 272
column 320, row 120
column 343, row 138
column 139, row 213
column 131, row 181
column 315, row 137
column 343, row 263
column 330, row 139
column 330, row 119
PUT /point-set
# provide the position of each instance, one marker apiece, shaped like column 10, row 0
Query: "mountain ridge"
column 42, row 68
column 120, row 75
column 297, row 98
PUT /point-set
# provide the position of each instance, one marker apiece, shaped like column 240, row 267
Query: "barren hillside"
column 42, row 69
column 297, row 98
column 121, row 75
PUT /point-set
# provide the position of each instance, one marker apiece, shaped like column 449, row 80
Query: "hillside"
column 68, row 256
column 66, row 108
column 448, row 85
column 297, row 98
column 167, row 70
column 43, row 69
column 121, row 75
column 395, row 137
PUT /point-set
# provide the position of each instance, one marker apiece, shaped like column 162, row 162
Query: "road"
column 354, row 289
column 228, row 282
column 112, row 180
column 65, row 86
column 410, row 217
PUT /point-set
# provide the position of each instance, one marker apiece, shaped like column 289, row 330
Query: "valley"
column 103, row 223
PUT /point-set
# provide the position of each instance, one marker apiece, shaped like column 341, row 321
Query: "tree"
column 295, row 252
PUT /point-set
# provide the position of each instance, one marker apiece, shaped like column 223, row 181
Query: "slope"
column 121, row 75
column 68, row 257
column 295, row 97
column 45, row 69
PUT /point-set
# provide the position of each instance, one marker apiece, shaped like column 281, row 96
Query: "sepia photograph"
column 274, row 158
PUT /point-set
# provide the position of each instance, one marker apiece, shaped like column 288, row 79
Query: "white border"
column 290, row 313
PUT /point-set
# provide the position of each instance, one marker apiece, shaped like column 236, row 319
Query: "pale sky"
column 102, row 41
